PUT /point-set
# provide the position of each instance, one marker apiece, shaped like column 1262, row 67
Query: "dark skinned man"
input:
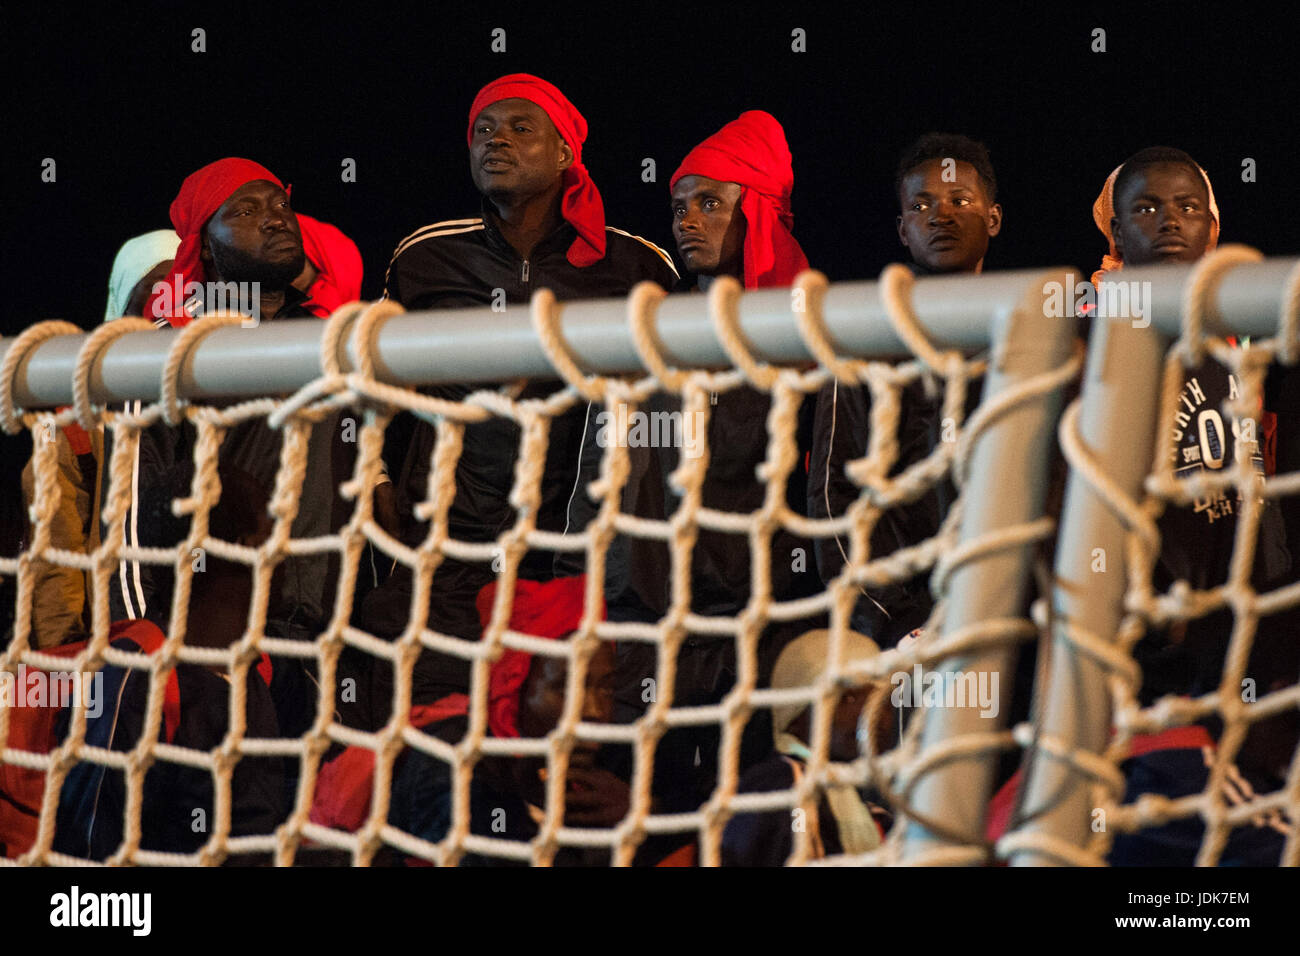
column 845, row 823
column 948, row 212
column 541, row 225
column 1158, row 206
column 730, row 204
column 526, row 698
column 237, row 227
column 196, row 713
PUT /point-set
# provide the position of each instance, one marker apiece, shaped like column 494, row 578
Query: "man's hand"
column 595, row 798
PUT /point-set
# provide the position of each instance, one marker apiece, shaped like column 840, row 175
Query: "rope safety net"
column 894, row 773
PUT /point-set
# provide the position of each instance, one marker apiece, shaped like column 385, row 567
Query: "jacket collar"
column 294, row 300
column 559, row 240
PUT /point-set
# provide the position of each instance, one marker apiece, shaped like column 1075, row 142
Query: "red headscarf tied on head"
column 338, row 266
column 201, row 195
column 549, row 609
column 752, row 151
column 581, row 205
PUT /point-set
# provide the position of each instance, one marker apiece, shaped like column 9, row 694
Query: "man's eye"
column 711, row 204
column 961, row 201
column 521, row 129
column 918, row 206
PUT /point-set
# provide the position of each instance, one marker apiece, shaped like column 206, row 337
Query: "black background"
column 114, row 94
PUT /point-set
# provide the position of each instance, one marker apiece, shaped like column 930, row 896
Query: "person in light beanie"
column 845, row 822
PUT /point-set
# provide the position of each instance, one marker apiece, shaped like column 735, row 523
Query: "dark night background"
column 114, row 94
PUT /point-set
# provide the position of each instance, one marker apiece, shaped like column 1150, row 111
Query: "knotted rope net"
column 894, row 773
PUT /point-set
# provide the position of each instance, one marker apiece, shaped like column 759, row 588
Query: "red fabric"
column 202, row 194
column 752, row 151
column 338, row 265
column 581, row 205
column 32, row 729
column 551, row 609
column 345, row 784
column 264, row 669
column 1175, row 738
column 147, row 635
column 22, row 789
column 77, row 437
column 1000, row 807
column 548, row 609
column 1268, row 446
column 682, row 856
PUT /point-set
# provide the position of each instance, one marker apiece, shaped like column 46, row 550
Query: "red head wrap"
column 752, row 151
column 581, row 205
column 549, row 609
column 201, row 195
column 338, row 266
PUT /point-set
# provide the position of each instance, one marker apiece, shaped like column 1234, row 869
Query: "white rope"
column 895, row 773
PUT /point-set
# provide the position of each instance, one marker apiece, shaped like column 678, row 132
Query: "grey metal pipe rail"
column 480, row 345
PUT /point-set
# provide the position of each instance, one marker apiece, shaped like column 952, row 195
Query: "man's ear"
column 1115, row 235
column 902, row 236
column 995, row 219
column 205, row 252
column 566, row 155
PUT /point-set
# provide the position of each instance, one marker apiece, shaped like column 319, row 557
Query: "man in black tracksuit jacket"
column 248, row 234
column 947, row 195
column 540, row 213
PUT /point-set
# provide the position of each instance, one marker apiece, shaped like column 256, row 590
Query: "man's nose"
column 941, row 211
column 1171, row 219
column 689, row 222
column 275, row 219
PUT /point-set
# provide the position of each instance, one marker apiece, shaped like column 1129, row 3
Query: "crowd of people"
column 542, row 224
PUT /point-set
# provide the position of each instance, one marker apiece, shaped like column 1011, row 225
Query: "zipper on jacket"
column 523, row 274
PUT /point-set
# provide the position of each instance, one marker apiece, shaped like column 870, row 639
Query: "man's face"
column 947, row 219
column 708, row 226
column 1162, row 216
column 516, row 152
column 541, row 700
column 254, row 237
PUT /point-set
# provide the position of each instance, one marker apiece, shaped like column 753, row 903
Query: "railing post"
column 1006, row 487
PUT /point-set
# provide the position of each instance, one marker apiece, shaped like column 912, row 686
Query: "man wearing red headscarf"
column 240, row 241
column 238, row 231
column 542, row 222
column 731, row 205
column 541, row 225
column 731, row 217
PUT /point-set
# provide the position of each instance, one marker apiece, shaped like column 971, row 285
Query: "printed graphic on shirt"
column 1204, row 436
